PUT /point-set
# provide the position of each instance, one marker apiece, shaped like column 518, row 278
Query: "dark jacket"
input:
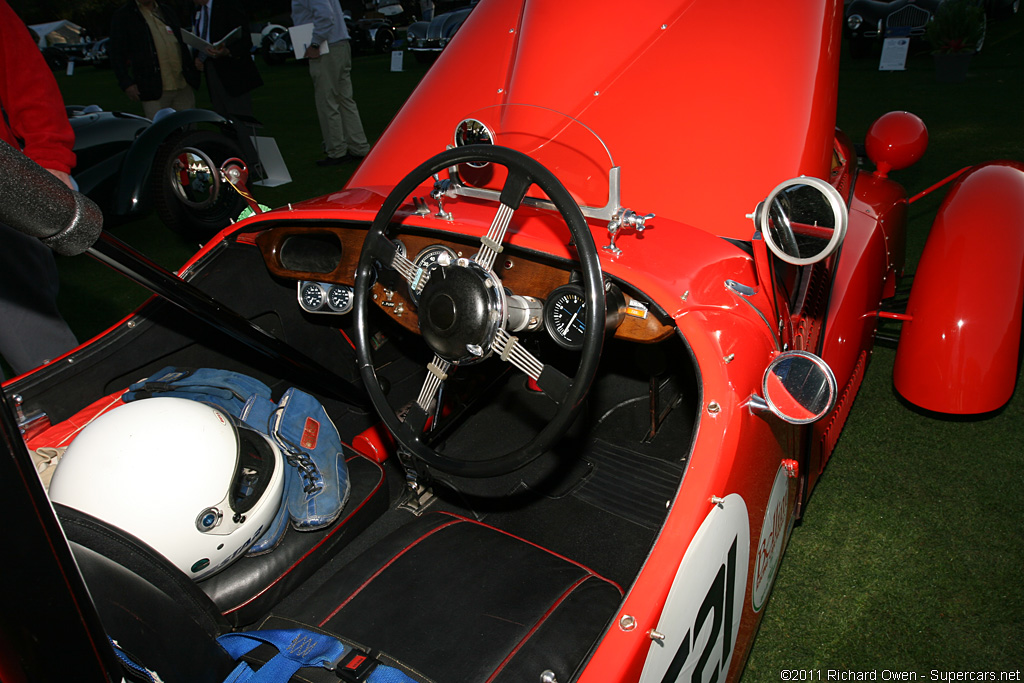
column 238, row 71
column 133, row 53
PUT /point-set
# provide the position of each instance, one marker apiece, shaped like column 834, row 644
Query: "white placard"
column 396, row 60
column 894, row 54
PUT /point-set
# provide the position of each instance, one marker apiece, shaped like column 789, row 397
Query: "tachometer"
column 564, row 316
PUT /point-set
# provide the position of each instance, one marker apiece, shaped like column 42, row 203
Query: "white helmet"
column 195, row 484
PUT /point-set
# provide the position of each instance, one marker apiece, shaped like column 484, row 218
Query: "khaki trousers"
column 332, row 88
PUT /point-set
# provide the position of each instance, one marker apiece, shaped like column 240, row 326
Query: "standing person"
column 33, row 120
column 230, row 70
column 150, row 62
column 331, row 70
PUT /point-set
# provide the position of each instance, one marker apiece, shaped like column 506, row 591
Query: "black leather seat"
column 443, row 598
column 456, row 600
column 247, row 590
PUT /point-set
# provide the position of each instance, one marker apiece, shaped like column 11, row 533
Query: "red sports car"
column 586, row 337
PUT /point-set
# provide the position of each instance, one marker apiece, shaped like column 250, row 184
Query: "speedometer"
column 564, row 316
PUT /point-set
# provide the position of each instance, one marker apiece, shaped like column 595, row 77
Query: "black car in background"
column 867, row 22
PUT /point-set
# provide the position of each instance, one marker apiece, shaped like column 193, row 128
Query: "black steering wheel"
column 463, row 316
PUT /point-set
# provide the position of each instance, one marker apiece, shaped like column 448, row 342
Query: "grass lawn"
column 911, row 554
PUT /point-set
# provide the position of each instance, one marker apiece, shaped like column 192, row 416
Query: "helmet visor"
column 254, row 469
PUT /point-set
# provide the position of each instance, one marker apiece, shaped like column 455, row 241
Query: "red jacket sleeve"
column 32, row 104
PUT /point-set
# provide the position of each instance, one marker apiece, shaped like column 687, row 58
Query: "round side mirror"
column 799, row 387
column 803, row 220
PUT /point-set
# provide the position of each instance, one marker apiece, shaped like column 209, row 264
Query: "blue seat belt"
column 297, row 648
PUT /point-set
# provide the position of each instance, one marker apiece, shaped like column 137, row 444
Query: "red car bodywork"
column 704, row 118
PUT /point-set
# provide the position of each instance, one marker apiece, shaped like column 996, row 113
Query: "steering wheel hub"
column 460, row 310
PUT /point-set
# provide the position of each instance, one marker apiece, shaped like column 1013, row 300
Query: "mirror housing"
column 798, row 387
column 803, row 220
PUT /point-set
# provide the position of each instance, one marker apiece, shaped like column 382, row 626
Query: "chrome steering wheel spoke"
column 551, row 381
column 490, row 244
column 437, row 373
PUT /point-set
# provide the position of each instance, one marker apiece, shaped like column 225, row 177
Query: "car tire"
column 179, row 206
column 384, row 40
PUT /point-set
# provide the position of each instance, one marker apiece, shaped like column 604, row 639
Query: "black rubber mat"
column 630, row 485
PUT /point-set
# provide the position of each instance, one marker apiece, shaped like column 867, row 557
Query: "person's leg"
column 239, row 110
column 185, row 98
column 325, row 73
column 32, row 330
column 352, row 125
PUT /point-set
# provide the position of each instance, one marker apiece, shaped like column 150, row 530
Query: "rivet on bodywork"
column 627, row 622
column 729, row 358
column 714, row 408
column 719, row 501
column 548, row 676
column 664, row 26
column 656, row 635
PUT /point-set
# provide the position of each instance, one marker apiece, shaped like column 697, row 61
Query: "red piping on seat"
column 381, row 570
column 539, row 623
column 539, row 547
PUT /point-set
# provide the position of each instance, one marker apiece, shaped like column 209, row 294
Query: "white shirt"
column 325, row 15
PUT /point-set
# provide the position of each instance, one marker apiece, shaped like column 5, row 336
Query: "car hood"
column 703, row 124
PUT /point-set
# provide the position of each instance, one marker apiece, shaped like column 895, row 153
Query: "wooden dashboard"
column 330, row 254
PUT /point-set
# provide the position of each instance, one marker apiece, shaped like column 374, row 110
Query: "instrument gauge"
column 311, row 296
column 435, row 255
column 339, row 298
column 564, row 316
column 431, row 258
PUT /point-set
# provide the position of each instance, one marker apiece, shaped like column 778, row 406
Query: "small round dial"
column 435, row 255
column 312, row 296
column 431, row 258
column 339, row 298
column 564, row 316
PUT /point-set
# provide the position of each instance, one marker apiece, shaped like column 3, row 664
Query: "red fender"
column 958, row 352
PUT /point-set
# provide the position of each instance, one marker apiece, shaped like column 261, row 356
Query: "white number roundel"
column 702, row 614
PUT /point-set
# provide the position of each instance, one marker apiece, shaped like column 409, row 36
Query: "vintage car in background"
column 868, row 22
column 370, row 35
column 129, row 165
column 586, row 379
column 426, row 39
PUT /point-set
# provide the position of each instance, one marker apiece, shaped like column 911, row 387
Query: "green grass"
column 911, row 553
